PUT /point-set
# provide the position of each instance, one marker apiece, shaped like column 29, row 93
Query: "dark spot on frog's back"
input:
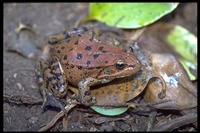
column 95, row 56
column 62, row 47
column 76, row 43
column 67, row 63
column 72, row 66
column 88, row 48
column 91, row 39
column 79, row 56
column 104, row 51
column 65, row 57
column 111, row 55
column 58, row 51
column 88, row 62
column 71, row 49
column 125, row 51
column 100, row 48
column 79, row 67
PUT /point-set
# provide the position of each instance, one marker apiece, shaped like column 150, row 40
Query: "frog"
column 82, row 58
column 119, row 92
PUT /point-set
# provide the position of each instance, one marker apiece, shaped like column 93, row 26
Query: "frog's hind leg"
column 60, row 86
column 46, row 81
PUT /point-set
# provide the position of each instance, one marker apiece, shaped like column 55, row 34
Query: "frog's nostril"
column 131, row 49
column 133, row 65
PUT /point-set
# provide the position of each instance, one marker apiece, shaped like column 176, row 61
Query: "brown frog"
column 83, row 59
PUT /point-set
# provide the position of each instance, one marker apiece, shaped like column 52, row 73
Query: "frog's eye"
column 120, row 64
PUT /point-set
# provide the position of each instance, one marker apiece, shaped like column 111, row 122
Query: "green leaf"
column 111, row 111
column 129, row 15
column 184, row 43
column 186, row 66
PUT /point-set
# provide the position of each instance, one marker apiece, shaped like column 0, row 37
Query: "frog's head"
column 122, row 64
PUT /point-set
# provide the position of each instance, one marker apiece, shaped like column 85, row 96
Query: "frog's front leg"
column 84, row 90
column 51, row 82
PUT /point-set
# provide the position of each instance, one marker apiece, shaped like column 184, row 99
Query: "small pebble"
column 19, row 85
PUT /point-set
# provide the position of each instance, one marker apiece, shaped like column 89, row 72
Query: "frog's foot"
column 88, row 100
column 84, row 91
column 52, row 101
column 48, row 98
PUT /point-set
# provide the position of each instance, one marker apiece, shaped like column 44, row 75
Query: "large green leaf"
column 128, row 15
column 184, row 43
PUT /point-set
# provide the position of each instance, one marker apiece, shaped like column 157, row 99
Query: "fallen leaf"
column 24, row 41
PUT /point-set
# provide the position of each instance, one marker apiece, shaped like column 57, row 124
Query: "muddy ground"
column 22, row 101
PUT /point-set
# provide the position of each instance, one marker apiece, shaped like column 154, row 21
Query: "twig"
column 57, row 117
column 21, row 99
column 175, row 123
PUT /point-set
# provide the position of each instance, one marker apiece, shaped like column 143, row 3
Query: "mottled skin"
column 83, row 59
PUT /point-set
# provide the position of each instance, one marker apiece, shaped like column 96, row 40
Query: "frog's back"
column 87, row 55
column 86, row 51
column 81, row 56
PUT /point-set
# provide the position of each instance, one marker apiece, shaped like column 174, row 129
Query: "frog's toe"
column 52, row 101
column 88, row 100
column 93, row 100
